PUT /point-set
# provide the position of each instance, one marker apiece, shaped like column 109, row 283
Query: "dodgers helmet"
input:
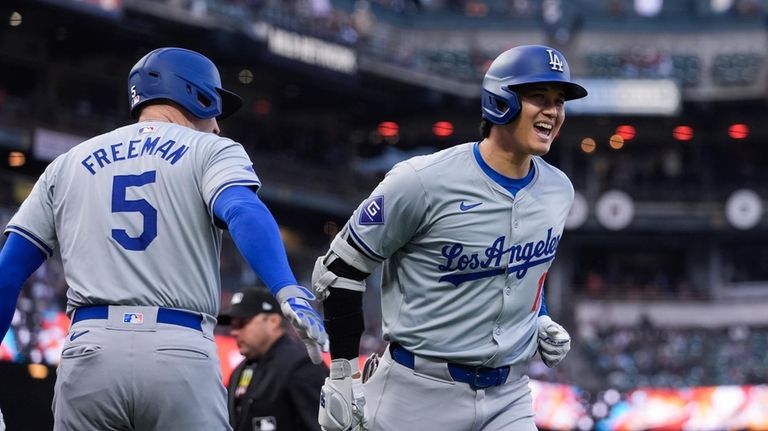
column 526, row 64
column 182, row 76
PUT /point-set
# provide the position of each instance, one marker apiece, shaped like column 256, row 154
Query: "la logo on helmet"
column 554, row 61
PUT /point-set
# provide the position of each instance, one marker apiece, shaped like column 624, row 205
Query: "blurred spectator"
column 363, row 19
column 645, row 355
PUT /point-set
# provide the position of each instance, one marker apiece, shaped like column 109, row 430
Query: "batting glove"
column 342, row 401
column 296, row 307
column 554, row 341
column 2, row 422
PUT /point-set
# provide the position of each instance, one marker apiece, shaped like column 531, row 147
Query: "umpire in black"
column 276, row 387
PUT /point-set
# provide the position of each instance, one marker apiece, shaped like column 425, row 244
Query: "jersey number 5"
column 121, row 205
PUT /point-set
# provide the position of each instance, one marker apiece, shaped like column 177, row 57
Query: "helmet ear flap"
column 501, row 108
column 500, row 105
column 513, row 105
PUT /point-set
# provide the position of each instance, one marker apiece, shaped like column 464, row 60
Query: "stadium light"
column 245, row 76
column 388, row 129
column 262, row 107
column 588, row 145
column 626, row 131
column 15, row 19
column 37, row 371
column 682, row 133
column 738, row 131
column 616, row 142
column 442, row 129
column 16, row 159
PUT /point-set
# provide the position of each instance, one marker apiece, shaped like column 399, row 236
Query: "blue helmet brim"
column 230, row 103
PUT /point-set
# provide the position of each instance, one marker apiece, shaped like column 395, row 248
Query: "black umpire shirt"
column 279, row 392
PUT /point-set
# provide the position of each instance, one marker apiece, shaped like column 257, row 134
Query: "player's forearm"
column 256, row 234
column 8, row 298
column 344, row 322
column 18, row 259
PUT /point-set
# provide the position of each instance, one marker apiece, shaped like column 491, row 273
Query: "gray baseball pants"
column 427, row 398
column 133, row 373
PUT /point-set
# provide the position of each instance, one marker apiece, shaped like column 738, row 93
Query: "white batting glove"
column 295, row 304
column 342, row 401
column 2, row 421
column 554, row 341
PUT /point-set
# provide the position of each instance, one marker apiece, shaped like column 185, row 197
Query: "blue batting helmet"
column 522, row 65
column 182, row 76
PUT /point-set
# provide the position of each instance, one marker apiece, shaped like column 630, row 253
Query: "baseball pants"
column 129, row 372
column 427, row 398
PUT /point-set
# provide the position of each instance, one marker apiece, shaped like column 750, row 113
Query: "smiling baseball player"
column 137, row 214
column 465, row 237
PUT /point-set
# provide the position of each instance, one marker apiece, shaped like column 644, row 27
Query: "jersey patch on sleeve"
column 372, row 211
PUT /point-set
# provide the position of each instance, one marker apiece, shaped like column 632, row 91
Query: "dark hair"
column 485, row 128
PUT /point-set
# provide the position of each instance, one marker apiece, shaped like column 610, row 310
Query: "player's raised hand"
column 295, row 304
column 554, row 341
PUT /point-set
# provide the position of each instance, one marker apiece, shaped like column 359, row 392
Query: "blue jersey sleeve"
column 18, row 259
column 255, row 232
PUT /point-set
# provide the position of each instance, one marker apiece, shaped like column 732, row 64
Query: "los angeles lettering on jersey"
column 521, row 258
column 169, row 151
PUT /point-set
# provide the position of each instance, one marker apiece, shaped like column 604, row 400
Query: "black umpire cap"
column 248, row 303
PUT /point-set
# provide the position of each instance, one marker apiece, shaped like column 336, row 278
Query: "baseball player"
column 137, row 214
column 465, row 236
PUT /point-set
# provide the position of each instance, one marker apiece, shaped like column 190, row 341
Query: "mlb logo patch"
column 372, row 211
column 146, row 129
column 133, row 318
column 264, row 423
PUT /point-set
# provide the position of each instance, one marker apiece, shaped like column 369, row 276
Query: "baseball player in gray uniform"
column 137, row 214
column 465, row 236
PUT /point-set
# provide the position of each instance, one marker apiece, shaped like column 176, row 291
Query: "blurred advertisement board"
column 700, row 408
column 660, row 97
column 49, row 144
column 311, row 51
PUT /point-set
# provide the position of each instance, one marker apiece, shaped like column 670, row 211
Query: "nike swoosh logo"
column 467, row 207
column 76, row 335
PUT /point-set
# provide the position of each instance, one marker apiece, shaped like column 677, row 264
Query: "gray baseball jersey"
column 131, row 212
column 464, row 260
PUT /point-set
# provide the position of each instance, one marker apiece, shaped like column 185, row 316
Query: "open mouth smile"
column 543, row 129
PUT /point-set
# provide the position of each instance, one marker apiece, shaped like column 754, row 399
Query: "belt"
column 164, row 315
column 476, row 377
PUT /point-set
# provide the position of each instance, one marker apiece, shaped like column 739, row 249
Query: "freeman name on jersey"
column 169, row 151
column 521, row 258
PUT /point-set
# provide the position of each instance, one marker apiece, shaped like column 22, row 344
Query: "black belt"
column 164, row 315
column 476, row 377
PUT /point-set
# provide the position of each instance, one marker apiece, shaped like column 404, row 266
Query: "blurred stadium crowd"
column 317, row 141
